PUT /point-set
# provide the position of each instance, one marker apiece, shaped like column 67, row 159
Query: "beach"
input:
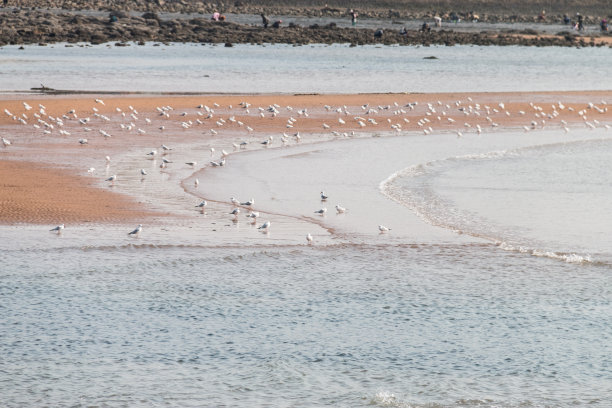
column 346, row 226
column 48, row 174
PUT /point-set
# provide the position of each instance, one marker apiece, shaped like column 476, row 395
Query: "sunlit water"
column 304, row 69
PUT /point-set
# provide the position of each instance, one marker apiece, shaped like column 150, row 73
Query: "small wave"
column 566, row 257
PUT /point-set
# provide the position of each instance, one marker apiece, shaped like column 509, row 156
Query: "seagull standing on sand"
column 248, row 203
column 323, row 196
column 58, row 229
column 340, row 209
column 309, row 238
column 383, row 229
column 112, row 179
column 321, row 211
column 136, row 232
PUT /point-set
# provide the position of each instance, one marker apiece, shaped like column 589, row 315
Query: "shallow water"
column 305, row 69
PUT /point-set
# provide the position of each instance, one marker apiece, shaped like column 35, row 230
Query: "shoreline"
column 166, row 197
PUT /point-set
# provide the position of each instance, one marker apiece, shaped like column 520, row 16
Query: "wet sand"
column 45, row 181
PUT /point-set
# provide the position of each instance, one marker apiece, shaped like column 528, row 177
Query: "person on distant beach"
column 354, row 18
column 277, row 24
column 542, row 16
column 215, row 16
column 580, row 22
column 265, row 20
column 403, row 31
column 425, row 28
column 379, row 33
column 566, row 19
column 438, row 21
column 5, row 2
column 604, row 24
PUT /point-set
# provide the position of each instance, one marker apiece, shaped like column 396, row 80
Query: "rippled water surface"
column 411, row 325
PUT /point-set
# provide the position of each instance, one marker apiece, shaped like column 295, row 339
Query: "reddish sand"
column 36, row 190
column 31, row 193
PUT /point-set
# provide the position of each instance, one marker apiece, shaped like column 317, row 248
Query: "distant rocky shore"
column 21, row 26
column 510, row 11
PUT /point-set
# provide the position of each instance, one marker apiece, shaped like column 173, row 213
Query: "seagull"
column 83, row 141
column 253, row 215
column 143, row 172
column 321, row 211
column 112, row 178
column 196, row 182
column 235, row 212
column 136, row 232
column 309, row 238
column 265, row 226
column 234, row 201
column 340, row 209
column 58, row 229
column 165, row 148
column 382, row 228
column 202, row 204
column 323, row 196
column 191, row 163
column 248, row 203
column 6, row 142
column 108, row 159
column 166, row 160
column 152, row 153
column 91, row 170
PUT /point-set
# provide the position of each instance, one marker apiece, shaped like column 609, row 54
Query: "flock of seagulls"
column 461, row 116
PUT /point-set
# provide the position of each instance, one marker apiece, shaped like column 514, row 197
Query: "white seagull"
column 112, row 178
column 248, row 203
column 309, row 238
column 136, row 232
column 323, row 196
column 265, row 226
column 321, row 211
column 340, row 209
column 382, row 228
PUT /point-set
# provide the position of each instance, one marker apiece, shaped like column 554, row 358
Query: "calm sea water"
column 406, row 326
column 512, row 309
column 305, row 69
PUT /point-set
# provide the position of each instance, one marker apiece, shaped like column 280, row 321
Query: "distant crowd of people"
column 453, row 17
